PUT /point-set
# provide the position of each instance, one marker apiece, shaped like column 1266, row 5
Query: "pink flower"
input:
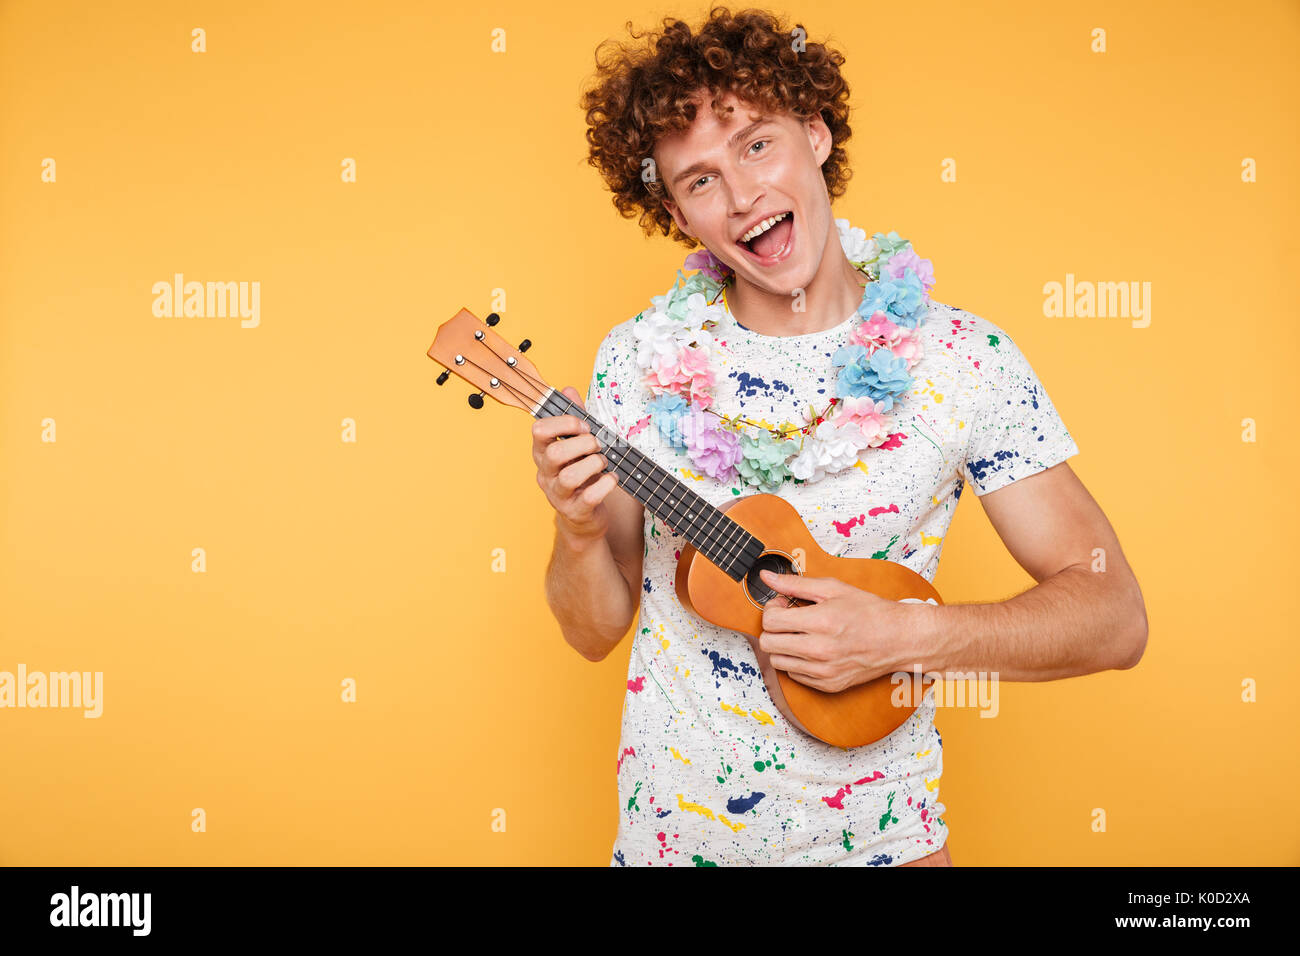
column 866, row 415
column 714, row 450
column 909, row 347
column 875, row 328
column 687, row 374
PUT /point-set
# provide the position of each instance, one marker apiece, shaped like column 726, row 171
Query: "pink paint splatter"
column 837, row 802
column 627, row 751
column 895, row 440
column 843, row 526
column 636, row 686
column 638, row 427
column 880, row 511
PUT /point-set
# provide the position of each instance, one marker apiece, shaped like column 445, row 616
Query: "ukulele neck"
column 725, row 543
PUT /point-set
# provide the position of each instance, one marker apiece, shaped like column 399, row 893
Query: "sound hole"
column 771, row 561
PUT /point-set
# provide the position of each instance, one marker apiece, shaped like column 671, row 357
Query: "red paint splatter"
column 626, row 752
column 636, row 686
column 663, row 843
column 895, row 440
column 880, row 511
column 837, row 802
column 843, row 526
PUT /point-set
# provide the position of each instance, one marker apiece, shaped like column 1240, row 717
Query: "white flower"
column 660, row 337
column 828, row 449
column 857, row 246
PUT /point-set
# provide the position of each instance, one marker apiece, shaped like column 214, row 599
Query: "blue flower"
column 666, row 412
column 882, row 378
column 903, row 300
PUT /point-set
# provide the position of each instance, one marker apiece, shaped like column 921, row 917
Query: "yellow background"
column 372, row 560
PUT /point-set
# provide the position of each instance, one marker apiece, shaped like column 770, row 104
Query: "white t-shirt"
column 709, row 771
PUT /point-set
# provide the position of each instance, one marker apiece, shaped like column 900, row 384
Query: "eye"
column 757, row 141
column 697, row 182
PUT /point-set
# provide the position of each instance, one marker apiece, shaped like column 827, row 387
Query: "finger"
column 574, row 476
column 800, row 586
column 798, row 667
column 546, row 430
column 560, row 454
column 790, row 644
column 800, row 619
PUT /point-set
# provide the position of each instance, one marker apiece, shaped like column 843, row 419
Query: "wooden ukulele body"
column 855, row 717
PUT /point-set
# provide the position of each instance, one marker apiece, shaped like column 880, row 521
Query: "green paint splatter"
column 847, row 845
column 993, row 341
column 700, row 861
column 885, row 553
column 631, row 803
column 888, row 816
column 726, row 770
column 735, row 491
column 760, row 764
column 654, row 529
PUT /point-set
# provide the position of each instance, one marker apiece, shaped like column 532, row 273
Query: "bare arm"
column 593, row 580
column 1086, row 613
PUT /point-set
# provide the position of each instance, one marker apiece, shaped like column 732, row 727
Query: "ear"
column 678, row 218
column 819, row 136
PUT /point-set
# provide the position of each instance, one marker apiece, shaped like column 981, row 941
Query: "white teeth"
column 762, row 227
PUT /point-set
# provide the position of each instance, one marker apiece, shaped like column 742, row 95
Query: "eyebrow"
column 741, row 134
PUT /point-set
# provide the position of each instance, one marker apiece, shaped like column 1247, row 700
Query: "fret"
column 725, row 543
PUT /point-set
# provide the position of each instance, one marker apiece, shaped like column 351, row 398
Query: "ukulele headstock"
column 467, row 347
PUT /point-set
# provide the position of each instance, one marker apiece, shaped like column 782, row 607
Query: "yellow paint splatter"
column 761, row 716
column 932, row 785
column 686, row 472
column 927, row 539
column 709, row 814
column 925, row 753
column 863, row 465
column 679, row 756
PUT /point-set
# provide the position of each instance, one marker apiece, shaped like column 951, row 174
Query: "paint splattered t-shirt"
column 709, row 771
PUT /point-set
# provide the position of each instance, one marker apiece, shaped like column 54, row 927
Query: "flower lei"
column 676, row 349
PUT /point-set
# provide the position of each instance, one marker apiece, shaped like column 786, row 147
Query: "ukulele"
column 718, row 570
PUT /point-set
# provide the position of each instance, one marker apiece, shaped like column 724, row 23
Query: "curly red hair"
column 641, row 93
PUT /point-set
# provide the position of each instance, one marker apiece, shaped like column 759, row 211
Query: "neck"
column 729, row 546
column 833, row 293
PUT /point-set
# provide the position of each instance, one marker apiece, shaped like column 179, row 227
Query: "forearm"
column 588, row 595
column 1076, row 622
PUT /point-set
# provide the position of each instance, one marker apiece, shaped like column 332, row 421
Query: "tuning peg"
column 525, row 345
column 476, row 401
column 492, row 318
column 446, row 373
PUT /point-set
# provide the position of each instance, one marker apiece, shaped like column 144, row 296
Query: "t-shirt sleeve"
column 603, row 391
column 1017, row 431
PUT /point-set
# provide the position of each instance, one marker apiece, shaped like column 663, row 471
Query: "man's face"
column 726, row 174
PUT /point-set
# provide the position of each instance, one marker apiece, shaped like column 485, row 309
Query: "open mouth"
column 774, row 242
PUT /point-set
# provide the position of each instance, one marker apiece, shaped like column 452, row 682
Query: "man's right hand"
column 569, row 466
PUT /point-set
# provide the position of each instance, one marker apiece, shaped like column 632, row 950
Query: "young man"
column 742, row 132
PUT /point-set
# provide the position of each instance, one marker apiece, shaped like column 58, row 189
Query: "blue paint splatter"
column 723, row 667
column 618, row 856
column 744, row 804
column 880, row 859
